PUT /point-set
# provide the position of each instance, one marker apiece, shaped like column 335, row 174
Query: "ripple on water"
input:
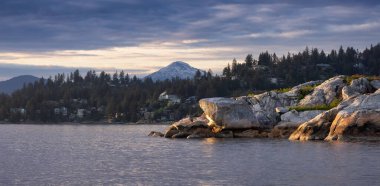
column 117, row 154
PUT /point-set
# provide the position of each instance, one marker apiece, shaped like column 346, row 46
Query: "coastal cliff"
column 340, row 108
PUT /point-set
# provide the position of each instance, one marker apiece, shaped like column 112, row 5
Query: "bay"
column 125, row 155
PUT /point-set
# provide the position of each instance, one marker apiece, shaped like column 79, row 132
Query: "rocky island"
column 340, row 108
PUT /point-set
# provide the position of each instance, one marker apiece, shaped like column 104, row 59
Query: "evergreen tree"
column 249, row 61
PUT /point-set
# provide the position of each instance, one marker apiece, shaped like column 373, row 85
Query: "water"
column 116, row 154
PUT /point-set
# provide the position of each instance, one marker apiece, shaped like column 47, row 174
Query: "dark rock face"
column 252, row 133
column 283, row 130
column 187, row 128
column 156, row 134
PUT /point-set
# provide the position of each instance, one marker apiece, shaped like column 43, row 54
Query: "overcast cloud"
column 205, row 33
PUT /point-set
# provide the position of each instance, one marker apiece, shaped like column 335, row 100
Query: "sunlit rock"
column 324, row 93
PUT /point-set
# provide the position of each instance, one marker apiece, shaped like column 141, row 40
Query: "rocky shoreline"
column 340, row 108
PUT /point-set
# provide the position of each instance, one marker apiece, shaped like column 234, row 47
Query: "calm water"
column 115, row 154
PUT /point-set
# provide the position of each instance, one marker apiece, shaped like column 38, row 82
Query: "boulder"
column 281, row 110
column 258, row 111
column 156, row 134
column 201, row 133
column 268, row 101
column 295, row 91
column 290, row 121
column 171, row 131
column 299, row 117
column 315, row 129
column 357, row 125
column 186, row 126
column 359, row 117
column 324, row 93
column 357, row 87
column 229, row 113
column 181, row 135
column 355, row 118
column 375, row 84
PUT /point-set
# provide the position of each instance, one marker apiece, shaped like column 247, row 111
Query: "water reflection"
column 210, row 141
column 111, row 155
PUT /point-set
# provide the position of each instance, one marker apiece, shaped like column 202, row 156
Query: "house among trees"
column 61, row 111
column 21, row 111
column 174, row 99
column 81, row 113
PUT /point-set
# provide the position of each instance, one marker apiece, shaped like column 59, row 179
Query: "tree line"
column 293, row 69
column 109, row 95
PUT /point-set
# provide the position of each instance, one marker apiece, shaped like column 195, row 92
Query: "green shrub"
column 333, row 104
column 304, row 91
column 251, row 94
column 283, row 90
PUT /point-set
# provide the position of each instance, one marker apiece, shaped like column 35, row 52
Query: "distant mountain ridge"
column 177, row 69
column 13, row 84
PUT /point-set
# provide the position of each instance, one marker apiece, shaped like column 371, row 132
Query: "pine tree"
column 249, row 61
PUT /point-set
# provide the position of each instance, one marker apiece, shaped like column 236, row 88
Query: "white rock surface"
column 299, row 117
column 324, row 93
column 357, row 87
column 246, row 112
column 356, row 117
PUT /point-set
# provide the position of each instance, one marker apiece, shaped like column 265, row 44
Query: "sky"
column 46, row 37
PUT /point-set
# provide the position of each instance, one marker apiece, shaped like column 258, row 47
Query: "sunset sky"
column 44, row 37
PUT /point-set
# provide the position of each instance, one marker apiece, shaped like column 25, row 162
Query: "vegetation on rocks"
column 301, row 108
column 348, row 79
column 304, row 91
column 283, row 90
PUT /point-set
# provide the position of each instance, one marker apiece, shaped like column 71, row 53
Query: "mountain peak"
column 180, row 63
column 177, row 69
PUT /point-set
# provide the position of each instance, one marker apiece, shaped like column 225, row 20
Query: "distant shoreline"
column 83, row 123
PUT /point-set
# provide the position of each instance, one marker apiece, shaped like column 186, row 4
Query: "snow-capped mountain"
column 178, row 69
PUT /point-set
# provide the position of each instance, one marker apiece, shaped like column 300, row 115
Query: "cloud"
column 192, row 41
column 139, row 60
column 133, row 34
column 354, row 27
column 286, row 34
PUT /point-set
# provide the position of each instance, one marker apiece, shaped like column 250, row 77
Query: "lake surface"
column 119, row 154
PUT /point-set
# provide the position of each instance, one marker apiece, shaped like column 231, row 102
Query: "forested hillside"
column 119, row 97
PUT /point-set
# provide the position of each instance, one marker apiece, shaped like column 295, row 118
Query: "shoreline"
column 84, row 123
